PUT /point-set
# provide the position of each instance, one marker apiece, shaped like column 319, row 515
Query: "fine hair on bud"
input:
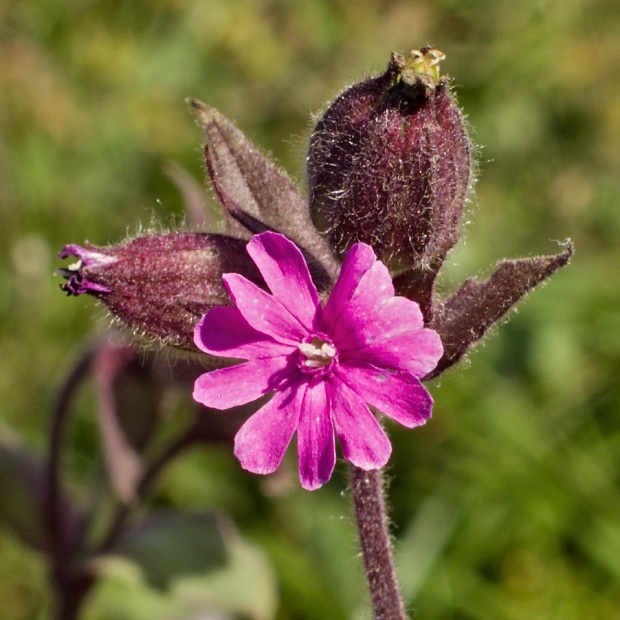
column 390, row 163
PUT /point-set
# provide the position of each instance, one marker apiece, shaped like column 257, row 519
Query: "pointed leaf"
column 123, row 462
column 249, row 184
column 476, row 306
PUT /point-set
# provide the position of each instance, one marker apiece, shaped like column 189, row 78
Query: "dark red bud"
column 159, row 285
column 389, row 164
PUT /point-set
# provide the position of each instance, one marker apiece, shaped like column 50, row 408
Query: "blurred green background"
column 507, row 504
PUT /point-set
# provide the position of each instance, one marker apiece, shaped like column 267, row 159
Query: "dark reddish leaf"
column 249, row 184
column 476, row 306
column 118, row 411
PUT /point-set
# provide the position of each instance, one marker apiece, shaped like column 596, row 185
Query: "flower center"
column 316, row 354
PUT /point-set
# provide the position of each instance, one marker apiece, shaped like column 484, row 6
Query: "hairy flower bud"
column 159, row 285
column 389, row 164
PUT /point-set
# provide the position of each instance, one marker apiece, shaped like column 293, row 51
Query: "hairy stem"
column 372, row 526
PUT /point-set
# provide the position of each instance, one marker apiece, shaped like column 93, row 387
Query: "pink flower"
column 324, row 365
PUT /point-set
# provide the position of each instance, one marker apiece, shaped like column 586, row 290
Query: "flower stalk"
column 372, row 525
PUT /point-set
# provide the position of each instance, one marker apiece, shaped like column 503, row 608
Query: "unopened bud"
column 389, row 164
column 159, row 285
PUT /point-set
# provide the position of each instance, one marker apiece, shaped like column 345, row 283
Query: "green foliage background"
column 506, row 505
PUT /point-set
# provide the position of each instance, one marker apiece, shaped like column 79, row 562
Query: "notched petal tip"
column 311, row 484
column 286, row 273
column 77, row 282
column 85, row 256
column 262, row 441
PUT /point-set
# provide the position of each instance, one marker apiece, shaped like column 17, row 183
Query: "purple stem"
column 71, row 581
column 372, row 526
column 71, row 585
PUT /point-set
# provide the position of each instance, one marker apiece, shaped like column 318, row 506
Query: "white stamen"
column 317, row 352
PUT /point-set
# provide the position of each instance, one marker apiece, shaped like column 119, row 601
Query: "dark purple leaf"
column 119, row 410
column 248, row 183
column 476, row 306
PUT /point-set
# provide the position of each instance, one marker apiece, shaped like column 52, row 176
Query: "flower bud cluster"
column 389, row 165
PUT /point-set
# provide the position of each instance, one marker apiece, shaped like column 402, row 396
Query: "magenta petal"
column 261, row 442
column 315, row 438
column 237, row 385
column 86, row 256
column 392, row 318
column 327, row 368
column 396, row 394
column 374, row 289
column 358, row 260
column 416, row 352
column 225, row 333
column 262, row 311
column 362, row 439
column 285, row 271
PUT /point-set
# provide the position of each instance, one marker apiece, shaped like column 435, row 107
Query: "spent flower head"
column 158, row 285
column 323, row 364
